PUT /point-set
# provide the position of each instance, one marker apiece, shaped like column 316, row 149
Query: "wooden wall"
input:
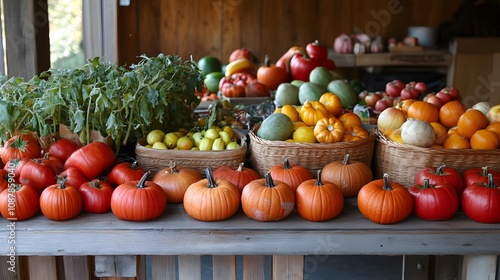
column 217, row 27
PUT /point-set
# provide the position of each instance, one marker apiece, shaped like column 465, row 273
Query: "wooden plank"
column 116, row 266
column 424, row 58
column 479, row 267
column 9, row 267
column 149, row 14
column 415, row 267
column 224, row 267
column 127, row 35
column 477, row 45
column 288, row 267
column 254, row 267
column 189, row 267
column 163, row 267
column 446, row 267
column 494, row 78
column 471, row 77
column 76, row 267
column 42, row 267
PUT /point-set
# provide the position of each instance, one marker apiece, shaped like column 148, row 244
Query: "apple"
column 421, row 86
column 406, row 94
column 434, row 100
column 232, row 146
column 444, row 96
column 381, row 105
column 394, row 88
column 493, row 114
column 372, row 98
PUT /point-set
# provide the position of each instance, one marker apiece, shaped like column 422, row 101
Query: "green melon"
column 321, row 75
column 287, row 94
column 345, row 92
column 310, row 91
column 209, row 64
column 277, row 126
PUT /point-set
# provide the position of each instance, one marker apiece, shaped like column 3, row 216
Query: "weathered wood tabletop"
column 175, row 233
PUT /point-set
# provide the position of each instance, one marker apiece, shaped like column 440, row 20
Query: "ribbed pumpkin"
column 319, row 200
column 349, row 176
column 385, row 202
column 211, row 199
column 291, row 174
column 174, row 180
column 329, row 130
column 423, row 111
column 313, row 111
column 240, row 176
column 267, row 200
column 470, row 122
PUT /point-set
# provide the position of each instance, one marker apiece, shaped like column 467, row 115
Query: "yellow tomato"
column 304, row 134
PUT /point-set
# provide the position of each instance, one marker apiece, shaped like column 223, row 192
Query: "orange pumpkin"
column 357, row 133
column 312, row 111
column 495, row 127
column 332, row 103
column 450, row 112
column 329, row 130
column 350, row 120
column 385, row 202
column 455, row 141
column 318, row 201
column 470, row 122
column 175, row 180
column 240, row 176
column 404, row 104
column 291, row 174
column 271, row 75
column 441, row 133
column 348, row 175
column 484, row 139
column 423, row 111
column 267, row 200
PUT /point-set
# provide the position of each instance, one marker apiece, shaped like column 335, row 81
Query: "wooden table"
column 177, row 234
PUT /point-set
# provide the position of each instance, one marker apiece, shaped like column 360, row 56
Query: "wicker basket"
column 265, row 154
column 403, row 161
column 154, row 159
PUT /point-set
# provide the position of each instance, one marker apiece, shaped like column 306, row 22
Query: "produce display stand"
column 101, row 242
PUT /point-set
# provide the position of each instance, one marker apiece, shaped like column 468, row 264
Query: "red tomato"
column 26, row 202
column 92, row 159
column 21, row 146
column 232, row 90
column 394, row 88
column 329, row 64
column 4, row 179
column 315, row 50
column 63, row 148
column 96, row 196
column 301, row 66
column 15, row 166
column 125, row 172
column 55, row 163
column 37, row 174
column 434, row 202
column 410, row 91
column 441, row 175
column 74, row 177
column 421, row 86
column 481, row 202
column 480, row 175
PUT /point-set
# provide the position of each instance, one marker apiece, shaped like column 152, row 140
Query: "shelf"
column 414, row 58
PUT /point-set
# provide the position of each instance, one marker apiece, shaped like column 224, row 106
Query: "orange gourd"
column 318, row 200
column 332, row 103
column 455, row 141
column 470, row 122
column 267, row 200
column 450, row 112
column 350, row 120
column 271, row 75
column 240, row 176
column 385, row 202
column 484, row 139
column 174, row 180
column 357, row 133
column 312, row 111
column 441, row 133
column 349, row 176
column 291, row 174
column 423, row 111
column 495, row 127
column 329, row 130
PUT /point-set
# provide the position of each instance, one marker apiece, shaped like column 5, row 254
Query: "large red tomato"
column 125, row 172
column 481, row 202
column 96, row 196
column 37, row 174
column 473, row 175
column 92, row 159
column 15, row 166
column 74, row 177
column 440, row 175
column 4, row 179
column 21, row 146
column 63, row 148
column 20, row 202
column 301, row 66
column 434, row 202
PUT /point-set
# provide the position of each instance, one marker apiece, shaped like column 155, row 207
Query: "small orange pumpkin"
column 329, row 130
column 240, row 176
column 291, row 174
column 174, row 180
column 318, row 201
column 484, row 139
column 423, row 111
column 357, row 133
column 450, row 112
column 332, row 103
column 312, row 111
column 267, row 200
column 271, row 75
column 385, row 202
column 349, row 176
column 441, row 133
column 470, row 122
column 455, row 141
column 350, row 120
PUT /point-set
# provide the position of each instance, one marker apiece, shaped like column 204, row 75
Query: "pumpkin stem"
column 269, row 180
column 426, row 184
column 210, row 178
column 286, row 163
column 141, row 184
column 485, row 171
column 241, row 166
column 387, row 183
column 95, row 184
column 134, row 165
column 439, row 170
column 491, row 183
column 173, row 167
column 318, row 178
column 346, row 160
column 61, row 180
column 267, row 61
